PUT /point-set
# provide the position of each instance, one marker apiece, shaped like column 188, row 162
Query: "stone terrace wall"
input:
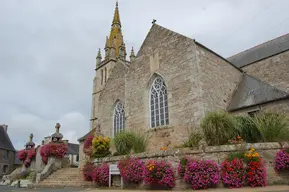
column 217, row 153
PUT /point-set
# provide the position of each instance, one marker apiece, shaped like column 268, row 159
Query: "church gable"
column 252, row 92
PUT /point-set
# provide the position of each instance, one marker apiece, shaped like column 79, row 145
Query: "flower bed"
column 159, row 173
column 202, row 174
column 100, row 174
column 233, row 173
column 131, row 170
column 27, row 156
column 87, row 171
column 57, row 150
column 282, row 160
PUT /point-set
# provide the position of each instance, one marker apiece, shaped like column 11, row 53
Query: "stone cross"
column 30, row 137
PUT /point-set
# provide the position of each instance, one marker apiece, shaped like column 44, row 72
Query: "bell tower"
column 115, row 51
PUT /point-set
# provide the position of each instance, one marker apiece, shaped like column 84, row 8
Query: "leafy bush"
column 159, row 173
column 100, row 174
column 272, row 127
column 123, row 142
column 87, row 147
column 202, row 174
column 247, row 129
column 233, row 173
column 100, row 146
column 193, row 141
column 282, row 160
column 131, row 170
column 57, row 150
column 140, row 143
column 218, row 128
column 87, row 171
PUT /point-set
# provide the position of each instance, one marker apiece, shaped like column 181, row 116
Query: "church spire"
column 115, row 39
column 116, row 18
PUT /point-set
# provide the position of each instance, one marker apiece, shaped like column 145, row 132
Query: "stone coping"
column 206, row 149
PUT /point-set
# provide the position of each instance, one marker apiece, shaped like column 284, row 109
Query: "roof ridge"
column 258, row 45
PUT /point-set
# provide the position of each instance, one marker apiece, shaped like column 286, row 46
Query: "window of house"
column 77, row 158
column 118, row 120
column 159, row 115
column 5, row 169
column 6, row 154
column 253, row 113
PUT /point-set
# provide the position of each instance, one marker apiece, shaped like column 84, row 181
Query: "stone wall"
column 280, row 107
column 218, row 79
column 273, row 70
column 217, row 153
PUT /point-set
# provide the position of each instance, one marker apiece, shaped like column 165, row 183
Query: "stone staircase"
column 65, row 177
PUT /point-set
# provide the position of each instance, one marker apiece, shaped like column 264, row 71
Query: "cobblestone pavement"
column 263, row 189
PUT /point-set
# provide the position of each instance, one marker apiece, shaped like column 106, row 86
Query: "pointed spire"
column 107, row 42
column 132, row 55
column 98, row 54
column 30, row 137
column 116, row 18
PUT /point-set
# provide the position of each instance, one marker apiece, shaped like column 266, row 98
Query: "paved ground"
column 263, row 189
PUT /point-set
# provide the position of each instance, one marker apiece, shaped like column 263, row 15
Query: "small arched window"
column 159, row 114
column 118, row 118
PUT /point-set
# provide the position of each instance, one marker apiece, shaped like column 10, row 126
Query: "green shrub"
column 123, row 142
column 140, row 143
column 247, row 129
column 218, row 128
column 272, row 127
column 193, row 141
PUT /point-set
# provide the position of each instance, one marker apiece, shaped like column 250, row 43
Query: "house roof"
column 252, row 91
column 262, row 51
column 5, row 142
column 84, row 137
column 73, row 149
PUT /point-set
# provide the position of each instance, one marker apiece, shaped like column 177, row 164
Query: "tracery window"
column 159, row 115
column 118, row 120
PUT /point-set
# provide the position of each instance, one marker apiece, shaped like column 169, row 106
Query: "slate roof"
column 84, row 137
column 73, row 149
column 5, row 142
column 262, row 51
column 252, row 91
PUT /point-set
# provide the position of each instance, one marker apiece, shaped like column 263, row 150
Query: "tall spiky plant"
column 272, row 127
column 247, row 129
column 218, row 128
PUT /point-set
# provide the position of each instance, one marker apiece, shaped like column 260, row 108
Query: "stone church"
column 168, row 86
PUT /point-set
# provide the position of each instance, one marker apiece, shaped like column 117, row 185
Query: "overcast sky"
column 48, row 49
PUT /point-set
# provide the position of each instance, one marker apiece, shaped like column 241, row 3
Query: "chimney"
column 5, row 127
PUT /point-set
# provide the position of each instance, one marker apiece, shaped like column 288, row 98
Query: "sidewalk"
column 279, row 188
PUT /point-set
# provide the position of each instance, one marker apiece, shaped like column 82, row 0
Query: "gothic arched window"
column 159, row 114
column 118, row 118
